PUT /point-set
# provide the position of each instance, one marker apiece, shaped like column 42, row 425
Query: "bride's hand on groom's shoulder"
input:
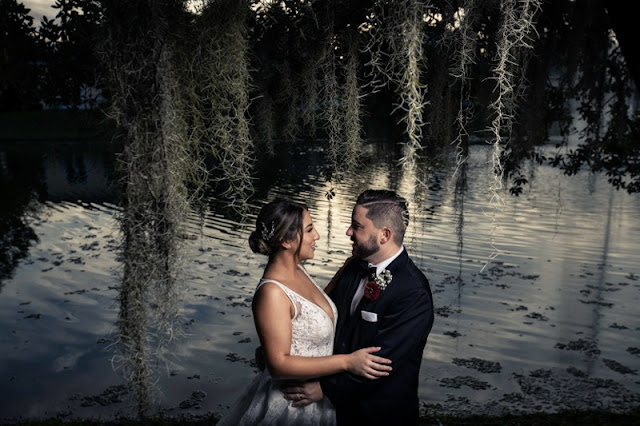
column 336, row 277
column 346, row 262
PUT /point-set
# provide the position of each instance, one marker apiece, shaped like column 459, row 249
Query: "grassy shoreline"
column 563, row 418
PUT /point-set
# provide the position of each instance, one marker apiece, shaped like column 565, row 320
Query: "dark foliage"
column 20, row 54
column 71, row 76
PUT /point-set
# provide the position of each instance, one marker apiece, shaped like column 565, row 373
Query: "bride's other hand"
column 363, row 363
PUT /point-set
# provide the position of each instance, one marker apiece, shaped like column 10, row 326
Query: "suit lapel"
column 393, row 267
column 347, row 284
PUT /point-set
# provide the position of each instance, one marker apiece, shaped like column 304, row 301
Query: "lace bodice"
column 312, row 328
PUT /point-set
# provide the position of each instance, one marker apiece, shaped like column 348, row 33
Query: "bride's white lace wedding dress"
column 262, row 403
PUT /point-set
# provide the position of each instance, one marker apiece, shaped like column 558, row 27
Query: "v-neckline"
column 326, row 296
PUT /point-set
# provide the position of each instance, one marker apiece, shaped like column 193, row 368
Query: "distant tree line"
column 307, row 60
column 54, row 64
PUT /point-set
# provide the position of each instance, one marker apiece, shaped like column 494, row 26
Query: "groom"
column 393, row 310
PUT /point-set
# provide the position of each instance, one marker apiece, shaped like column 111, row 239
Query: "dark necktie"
column 371, row 272
column 365, row 270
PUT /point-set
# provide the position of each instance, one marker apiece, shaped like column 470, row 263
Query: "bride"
column 295, row 321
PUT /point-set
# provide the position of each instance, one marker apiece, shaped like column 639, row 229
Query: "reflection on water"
column 17, row 234
column 550, row 323
column 33, row 174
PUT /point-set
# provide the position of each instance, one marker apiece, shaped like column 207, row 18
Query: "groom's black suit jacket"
column 404, row 313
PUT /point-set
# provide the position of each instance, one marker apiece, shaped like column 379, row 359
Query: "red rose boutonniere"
column 376, row 284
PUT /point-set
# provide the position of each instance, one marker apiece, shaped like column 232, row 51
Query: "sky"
column 39, row 8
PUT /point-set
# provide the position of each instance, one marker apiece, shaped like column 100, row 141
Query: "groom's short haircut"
column 386, row 208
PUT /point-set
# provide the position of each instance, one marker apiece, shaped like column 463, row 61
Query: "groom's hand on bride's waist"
column 302, row 392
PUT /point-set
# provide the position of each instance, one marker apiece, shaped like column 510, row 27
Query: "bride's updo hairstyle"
column 278, row 221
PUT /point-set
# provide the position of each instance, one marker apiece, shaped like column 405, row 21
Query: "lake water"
column 536, row 301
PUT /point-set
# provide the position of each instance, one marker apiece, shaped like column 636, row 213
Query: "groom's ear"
column 385, row 235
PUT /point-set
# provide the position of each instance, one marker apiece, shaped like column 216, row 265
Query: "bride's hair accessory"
column 267, row 233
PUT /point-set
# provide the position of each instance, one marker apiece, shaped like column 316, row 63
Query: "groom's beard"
column 366, row 249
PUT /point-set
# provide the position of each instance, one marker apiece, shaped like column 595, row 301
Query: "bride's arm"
column 273, row 311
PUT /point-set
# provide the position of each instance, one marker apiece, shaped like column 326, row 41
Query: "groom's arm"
column 404, row 330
